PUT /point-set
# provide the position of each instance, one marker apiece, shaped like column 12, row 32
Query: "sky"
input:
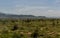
column 31, row 7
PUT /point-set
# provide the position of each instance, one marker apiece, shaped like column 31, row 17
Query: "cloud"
column 37, row 10
column 57, row 2
column 33, row 10
column 30, row 9
column 35, row 7
column 53, row 12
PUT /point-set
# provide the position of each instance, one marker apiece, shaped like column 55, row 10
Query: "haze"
column 31, row 7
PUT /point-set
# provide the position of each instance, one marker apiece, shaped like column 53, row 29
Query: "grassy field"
column 38, row 28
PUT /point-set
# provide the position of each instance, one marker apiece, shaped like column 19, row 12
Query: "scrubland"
column 37, row 28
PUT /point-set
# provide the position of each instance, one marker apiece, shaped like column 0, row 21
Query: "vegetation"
column 37, row 28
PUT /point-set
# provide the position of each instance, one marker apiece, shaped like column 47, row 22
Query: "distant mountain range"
column 2, row 15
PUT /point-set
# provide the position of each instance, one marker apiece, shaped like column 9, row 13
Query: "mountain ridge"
column 3, row 15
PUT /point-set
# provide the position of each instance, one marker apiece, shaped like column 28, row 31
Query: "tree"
column 15, row 27
column 35, row 34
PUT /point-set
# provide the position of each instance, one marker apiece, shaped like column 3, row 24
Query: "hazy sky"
column 33, row 7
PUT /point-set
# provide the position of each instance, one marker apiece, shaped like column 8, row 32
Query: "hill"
column 2, row 15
